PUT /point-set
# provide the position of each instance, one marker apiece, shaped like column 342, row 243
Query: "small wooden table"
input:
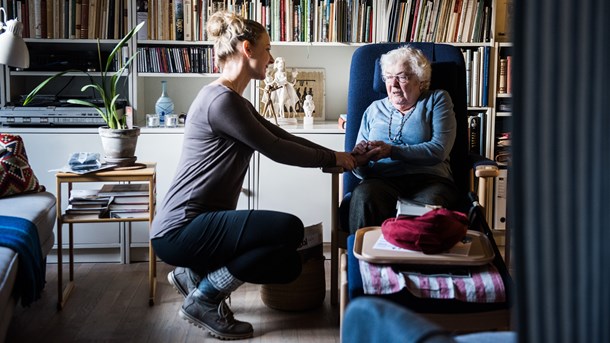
column 145, row 174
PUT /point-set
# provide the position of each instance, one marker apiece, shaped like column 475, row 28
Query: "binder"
column 500, row 191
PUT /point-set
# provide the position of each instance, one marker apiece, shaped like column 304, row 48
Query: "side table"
column 145, row 174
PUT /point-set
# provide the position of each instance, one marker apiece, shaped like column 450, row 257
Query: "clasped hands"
column 362, row 153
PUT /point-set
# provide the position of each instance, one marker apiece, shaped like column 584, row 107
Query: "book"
column 407, row 207
column 476, row 133
column 130, row 200
column 179, row 19
column 474, row 80
column 124, row 189
column 485, row 77
column 474, row 129
column 502, row 77
column 509, row 81
column 115, row 214
column 187, row 14
column 128, row 207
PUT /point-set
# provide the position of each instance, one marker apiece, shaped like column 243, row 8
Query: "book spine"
column 188, row 20
column 485, row 96
column 474, row 94
column 473, row 134
column 142, row 16
column 509, row 83
column 179, row 19
column 468, row 61
column 502, row 77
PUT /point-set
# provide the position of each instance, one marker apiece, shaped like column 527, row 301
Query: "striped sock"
column 223, row 280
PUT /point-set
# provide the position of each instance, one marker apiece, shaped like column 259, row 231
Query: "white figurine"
column 308, row 106
column 287, row 96
column 269, row 96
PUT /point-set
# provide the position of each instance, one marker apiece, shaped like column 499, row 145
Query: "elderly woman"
column 215, row 247
column 412, row 132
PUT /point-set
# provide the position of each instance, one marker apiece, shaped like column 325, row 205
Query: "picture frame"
column 311, row 81
column 308, row 81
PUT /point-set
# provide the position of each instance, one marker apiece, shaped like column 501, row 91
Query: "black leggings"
column 255, row 246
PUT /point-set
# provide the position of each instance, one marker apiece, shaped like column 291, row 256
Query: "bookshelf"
column 304, row 32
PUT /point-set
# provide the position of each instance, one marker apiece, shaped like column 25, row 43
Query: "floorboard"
column 110, row 304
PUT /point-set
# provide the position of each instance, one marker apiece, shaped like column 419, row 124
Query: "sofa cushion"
column 8, row 275
column 16, row 175
column 38, row 208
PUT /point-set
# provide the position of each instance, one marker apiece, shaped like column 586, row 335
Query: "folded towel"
column 482, row 284
column 21, row 235
column 84, row 161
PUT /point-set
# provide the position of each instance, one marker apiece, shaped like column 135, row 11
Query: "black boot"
column 210, row 311
column 184, row 280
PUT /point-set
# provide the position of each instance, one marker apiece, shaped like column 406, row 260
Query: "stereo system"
column 53, row 113
column 50, row 116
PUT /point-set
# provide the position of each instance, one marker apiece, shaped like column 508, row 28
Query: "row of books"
column 111, row 201
column 70, row 19
column 477, row 76
column 459, row 21
column 195, row 59
column 360, row 21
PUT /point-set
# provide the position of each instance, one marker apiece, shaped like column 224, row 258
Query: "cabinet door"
column 304, row 192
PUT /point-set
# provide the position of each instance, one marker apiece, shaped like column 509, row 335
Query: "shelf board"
column 504, row 114
column 177, row 75
column 51, row 73
column 70, row 41
column 504, row 95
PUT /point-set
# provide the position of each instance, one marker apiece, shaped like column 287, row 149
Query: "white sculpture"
column 287, row 97
column 269, row 96
column 309, row 106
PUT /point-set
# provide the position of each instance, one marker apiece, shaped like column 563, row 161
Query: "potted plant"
column 118, row 140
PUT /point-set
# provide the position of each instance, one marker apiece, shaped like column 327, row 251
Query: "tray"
column 479, row 252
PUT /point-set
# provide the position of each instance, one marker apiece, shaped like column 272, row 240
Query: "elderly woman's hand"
column 382, row 149
column 360, row 148
column 363, row 152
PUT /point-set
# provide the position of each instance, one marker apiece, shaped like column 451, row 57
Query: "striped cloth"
column 483, row 284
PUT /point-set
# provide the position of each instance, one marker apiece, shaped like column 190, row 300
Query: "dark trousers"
column 255, row 246
column 374, row 200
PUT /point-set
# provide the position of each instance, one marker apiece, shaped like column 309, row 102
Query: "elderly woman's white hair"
column 412, row 61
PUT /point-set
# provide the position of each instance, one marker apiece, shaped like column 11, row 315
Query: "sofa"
column 27, row 218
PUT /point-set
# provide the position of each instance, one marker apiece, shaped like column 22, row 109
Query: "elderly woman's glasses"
column 400, row 78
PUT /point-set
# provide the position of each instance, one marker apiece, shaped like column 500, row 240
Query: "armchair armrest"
column 483, row 167
column 485, row 170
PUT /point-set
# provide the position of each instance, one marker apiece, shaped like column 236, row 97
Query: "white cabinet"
column 305, row 192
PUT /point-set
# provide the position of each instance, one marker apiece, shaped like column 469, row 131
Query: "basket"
column 309, row 289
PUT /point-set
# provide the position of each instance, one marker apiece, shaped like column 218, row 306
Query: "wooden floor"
column 110, row 304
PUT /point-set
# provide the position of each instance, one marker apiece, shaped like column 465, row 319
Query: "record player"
column 49, row 111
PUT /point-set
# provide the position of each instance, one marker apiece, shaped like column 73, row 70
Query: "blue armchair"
column 366, row 86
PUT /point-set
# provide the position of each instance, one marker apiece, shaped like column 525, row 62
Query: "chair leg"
column 343, row 298
column 334, row 271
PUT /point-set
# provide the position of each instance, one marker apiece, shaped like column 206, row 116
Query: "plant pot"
column 119, row 145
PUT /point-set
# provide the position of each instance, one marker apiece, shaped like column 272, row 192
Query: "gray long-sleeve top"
column 221, row 133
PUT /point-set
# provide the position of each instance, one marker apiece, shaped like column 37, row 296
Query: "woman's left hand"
column 383, row 149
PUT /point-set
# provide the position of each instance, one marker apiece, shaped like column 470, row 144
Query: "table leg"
column 334, row 220
column 152, row 274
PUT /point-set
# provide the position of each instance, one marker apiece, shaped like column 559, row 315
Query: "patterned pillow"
column 16, row 175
